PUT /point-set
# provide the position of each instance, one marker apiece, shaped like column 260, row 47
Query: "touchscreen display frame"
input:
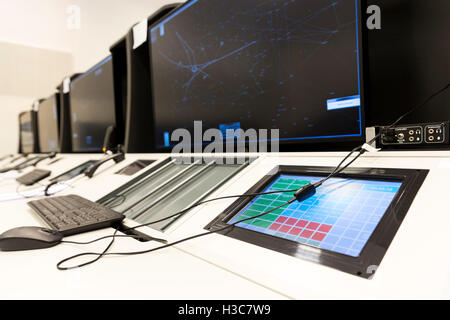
column 74, row 172
column 376, row 246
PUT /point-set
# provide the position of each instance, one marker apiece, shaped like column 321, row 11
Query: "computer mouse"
column 29, row 238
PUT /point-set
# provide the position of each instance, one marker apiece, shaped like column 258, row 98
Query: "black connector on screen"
column 304, row 192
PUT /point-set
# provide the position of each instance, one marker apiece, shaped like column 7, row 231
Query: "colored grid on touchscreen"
column 340, row 217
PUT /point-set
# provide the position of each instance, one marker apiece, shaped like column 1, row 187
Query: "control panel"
column 414, row 135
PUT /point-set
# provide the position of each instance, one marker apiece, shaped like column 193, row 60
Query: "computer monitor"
column 27, row 132
column 288, row 65
column 92, row 107
column 65, row 131
column 48, row 124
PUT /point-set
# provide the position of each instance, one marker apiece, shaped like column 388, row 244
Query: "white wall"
column 38, row 23
column 43, row 24
column 103, row 22
column 26, row 73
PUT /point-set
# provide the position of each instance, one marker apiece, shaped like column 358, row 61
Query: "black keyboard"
column 73, row 214
column 33, row 177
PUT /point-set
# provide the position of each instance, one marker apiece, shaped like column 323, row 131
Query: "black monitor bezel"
column 315, row 144
column 65, row 132
column 378, row 243
column 34, row 132
column 79, row 77
column 56, row 97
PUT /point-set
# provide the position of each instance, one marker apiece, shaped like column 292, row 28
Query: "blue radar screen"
column 291, row 65
column 341, row 217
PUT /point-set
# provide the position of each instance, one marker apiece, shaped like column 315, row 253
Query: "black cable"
column 99, row 239
column 417, row 107
column 47, row 188
column 53, row 183
column 298, row 194
column 179, row 213
column 411, row 111
column 163, row 219
column 99, row 256
column 105, row 252
column 339, row 169
column 117, row 236
column 361, row 149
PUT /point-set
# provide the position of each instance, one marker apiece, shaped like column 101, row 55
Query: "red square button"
column 281, row 219
column 307, row 234
column 318, row 236
column 313, row 225
column 295, row 231
column 291, row 221
column 285, row 229
column 301, row 223
column 325, row 228
column 275, row 226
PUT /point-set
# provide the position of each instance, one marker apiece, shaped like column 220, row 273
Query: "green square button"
column 278, row 203
column 250, row 213
column 285, row 198
column 257, row 208
column 301, row 183
column 269, row 196
column 280, row 186
column 261, row 223
column 278, row 211
column 263, row 202
column 270, row 217
column 285, row 181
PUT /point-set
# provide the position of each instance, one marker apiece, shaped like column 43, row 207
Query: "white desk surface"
column 168, row 274
column 416, row 264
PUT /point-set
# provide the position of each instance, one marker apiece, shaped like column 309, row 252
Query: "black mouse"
column 29, row 238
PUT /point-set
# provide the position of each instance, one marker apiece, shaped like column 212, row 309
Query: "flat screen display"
column 340, row 217
column 48, row 125
column 92, row 107
column 26, row 132
column 258, row 64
